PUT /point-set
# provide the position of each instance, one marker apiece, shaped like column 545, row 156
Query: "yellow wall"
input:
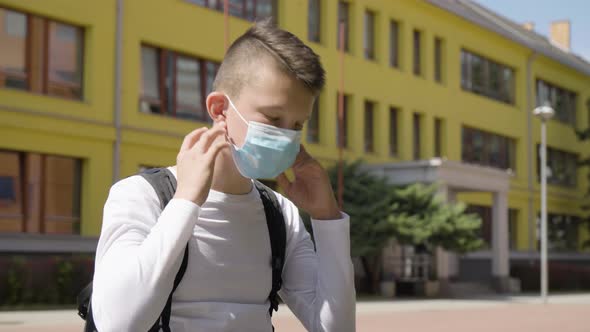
column 80, row 129
column 32, row 122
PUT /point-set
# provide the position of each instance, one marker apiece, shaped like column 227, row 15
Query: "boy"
column 263, row 93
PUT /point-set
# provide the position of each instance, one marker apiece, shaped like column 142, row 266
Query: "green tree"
column 367, row 202
column 413, row 215
column 423, row 219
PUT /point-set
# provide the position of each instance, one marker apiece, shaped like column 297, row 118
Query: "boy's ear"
column 217, row 106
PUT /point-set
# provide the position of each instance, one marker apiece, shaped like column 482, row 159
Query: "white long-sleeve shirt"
column 228, row 277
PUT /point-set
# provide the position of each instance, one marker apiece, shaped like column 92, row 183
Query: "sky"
column 543, row 12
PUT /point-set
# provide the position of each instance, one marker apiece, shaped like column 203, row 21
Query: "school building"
column 434, row 91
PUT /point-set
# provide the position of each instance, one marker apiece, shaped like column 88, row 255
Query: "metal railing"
column 412, row 268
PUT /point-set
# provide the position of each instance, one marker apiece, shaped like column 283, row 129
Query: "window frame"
column 46, row 48
column 168, row 94
column 314, row 35
column 217, row 5
column 369, row 46
column 566, row 158
column 25, row 201
column 394, row 113
column 438, row 59
column 369, row 126
column 566, row 116
column 417, row 135
column 346, row 101
column 417, row 41
column 438, row 137
column 345, row 6
column 506, row 93
column 27, row 56
column 394, row 43
column 469, row 152
column 313, row 134
column 39, row 81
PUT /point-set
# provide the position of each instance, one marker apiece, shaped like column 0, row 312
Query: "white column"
column 500, row 246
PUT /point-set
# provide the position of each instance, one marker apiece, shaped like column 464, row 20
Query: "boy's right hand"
column 196, row 160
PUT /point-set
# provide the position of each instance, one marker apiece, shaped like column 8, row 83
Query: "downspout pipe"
column 118, row 85
column 530, row 84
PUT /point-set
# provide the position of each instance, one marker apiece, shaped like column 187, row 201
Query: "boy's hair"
column 262, row 40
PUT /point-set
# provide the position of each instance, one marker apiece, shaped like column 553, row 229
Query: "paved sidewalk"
column 563, row 313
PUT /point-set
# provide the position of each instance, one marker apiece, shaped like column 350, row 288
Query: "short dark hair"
column 265, row 38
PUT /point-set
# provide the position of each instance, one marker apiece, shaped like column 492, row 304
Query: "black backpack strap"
column 83, row 301
column 278, row 241
column 164, row 183
column 85, row 308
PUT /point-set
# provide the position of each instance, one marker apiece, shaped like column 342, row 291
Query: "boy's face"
column 271, row 97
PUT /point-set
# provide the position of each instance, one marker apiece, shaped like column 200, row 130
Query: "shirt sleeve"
column 318, row 285
column 139, row 253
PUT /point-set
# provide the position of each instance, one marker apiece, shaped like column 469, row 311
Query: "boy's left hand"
column 311, row 189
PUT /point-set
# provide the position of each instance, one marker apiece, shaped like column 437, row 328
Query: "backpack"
column 164, row 183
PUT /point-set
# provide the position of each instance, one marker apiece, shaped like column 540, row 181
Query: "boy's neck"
column 226, row 177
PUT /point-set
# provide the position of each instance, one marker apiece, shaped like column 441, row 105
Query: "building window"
column 513, row 229
column 485, row 232
column 314, row 20
column 251, row 10
column 562, row 100
column 562, row 232
column 486, row 77
column 51, row 202
column 7, row 189
column 65, row 60
column 188, row 83
column 61, row 196
column 343, row 17
column 11, row 200
column 487, row 149
column 393, row 131
column 438, row 59
column 417, row 135
column 14, row 72
column 438, row 137
column 563, row 169
column 313, row 125
column 151, row 100
column 394, row 44
column 369, row 45
column 369, row 124
column 175, row 85
column 417, row 52
column 342, row 140
column 43, row 56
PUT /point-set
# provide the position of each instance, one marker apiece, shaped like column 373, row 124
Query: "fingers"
column 215, row 149
column 209, row 137
column 283, row 182
column 192, row 138
column 302, row 156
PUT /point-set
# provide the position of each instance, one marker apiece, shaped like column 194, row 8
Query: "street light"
column 544, row 113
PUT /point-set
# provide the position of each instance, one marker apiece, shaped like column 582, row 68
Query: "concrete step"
column 469, row 289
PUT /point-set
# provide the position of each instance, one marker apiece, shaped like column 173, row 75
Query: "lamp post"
column 544, row 113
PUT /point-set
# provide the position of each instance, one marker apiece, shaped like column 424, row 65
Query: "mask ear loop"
column 236, row 109
column 229, row 140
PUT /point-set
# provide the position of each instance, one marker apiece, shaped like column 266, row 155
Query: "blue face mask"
column 267, row 150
